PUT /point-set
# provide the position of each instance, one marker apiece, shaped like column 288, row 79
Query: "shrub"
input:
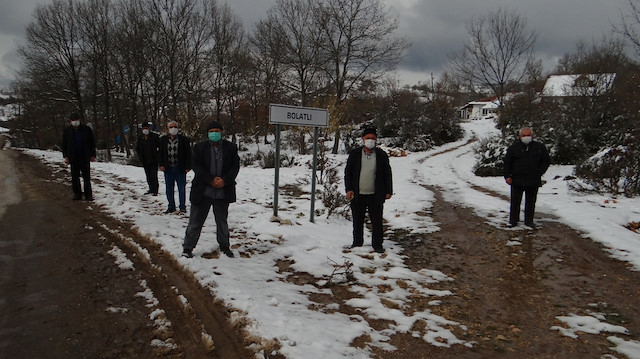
column 490, row 153
column 614, row 170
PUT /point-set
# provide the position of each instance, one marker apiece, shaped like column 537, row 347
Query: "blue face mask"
column 214, row 136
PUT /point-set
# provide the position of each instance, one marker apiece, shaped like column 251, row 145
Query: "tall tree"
column 359, row 43
column 499, row 52
column 630, row 24
column 225, row 58
column 52, row 43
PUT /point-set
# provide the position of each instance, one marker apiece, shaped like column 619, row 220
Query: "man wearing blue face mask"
column 215, row 163
column 368, row 183
column 524, row 164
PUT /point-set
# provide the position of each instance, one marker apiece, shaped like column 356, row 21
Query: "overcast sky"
column 435, row 28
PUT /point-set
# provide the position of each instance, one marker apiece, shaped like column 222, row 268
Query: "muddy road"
column 63, row 296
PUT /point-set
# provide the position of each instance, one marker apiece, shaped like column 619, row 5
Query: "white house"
column 476, row 110
column 563, row 86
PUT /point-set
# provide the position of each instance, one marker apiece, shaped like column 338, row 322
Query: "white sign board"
column 298, row 116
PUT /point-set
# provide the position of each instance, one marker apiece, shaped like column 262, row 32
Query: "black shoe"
column 88, row 198
column 169, row 211
column 511, row 225
column 228, row 253
column 355, row 245
column 187, row 254
column 183, row 210
column 531, row 225
column 148, row 192
column 77, row 198
column 155, row 193
column 379, row 250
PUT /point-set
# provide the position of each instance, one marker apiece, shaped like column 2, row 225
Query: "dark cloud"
column 435, row 28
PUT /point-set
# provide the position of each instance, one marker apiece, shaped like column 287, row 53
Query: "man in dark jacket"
column 147, row 149
column 175, row 162
column 524, row 164
column 368, row 183
column 215, row 163
column 79, row 150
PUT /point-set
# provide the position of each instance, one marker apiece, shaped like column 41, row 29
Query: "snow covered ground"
column 256, row 289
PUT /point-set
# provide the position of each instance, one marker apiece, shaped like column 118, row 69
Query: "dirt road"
column 63, row 296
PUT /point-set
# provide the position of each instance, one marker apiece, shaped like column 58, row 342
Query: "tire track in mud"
column 200, row 323
column 511, row 285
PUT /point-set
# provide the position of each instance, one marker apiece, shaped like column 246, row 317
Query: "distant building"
column 484, row 108
column 559, row 87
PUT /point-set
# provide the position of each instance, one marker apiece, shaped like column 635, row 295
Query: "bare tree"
column 230, row 47
column 359, row 43
column 95, row 21
column 630, row 24
column 52, row 52
column 499, row 52
column 298, row 34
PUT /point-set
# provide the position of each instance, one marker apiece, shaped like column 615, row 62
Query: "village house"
column 561, row 87
column 484, row 108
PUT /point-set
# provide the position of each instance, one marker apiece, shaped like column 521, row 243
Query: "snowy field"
column 255, row 288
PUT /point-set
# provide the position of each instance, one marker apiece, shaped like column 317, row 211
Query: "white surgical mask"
column 145, row 132
column 75, row 123
column 526, row 139
column 173, row 131
column 369, row 143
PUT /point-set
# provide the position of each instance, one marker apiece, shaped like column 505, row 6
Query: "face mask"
column 145, row 132
column 173, row 131
column 526, row 139
column 75, row 123
column 369, row 143
column 214, row 136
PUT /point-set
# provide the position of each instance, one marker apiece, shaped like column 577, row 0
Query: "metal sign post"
column 276, row 183
column 297, row 116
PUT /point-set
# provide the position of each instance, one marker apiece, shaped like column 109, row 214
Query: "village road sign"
column 298, row 116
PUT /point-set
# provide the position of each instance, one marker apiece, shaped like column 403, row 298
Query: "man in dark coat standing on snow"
column 215, row 163
column 524, row 164
column 368, row 183
column 175, row 162
column 79, row 150
column 147, row 149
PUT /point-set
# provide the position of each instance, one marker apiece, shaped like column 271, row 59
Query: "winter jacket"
column 147, row 149
column 78, row 152
column 184, row 152
column 383, row 183
column 525, row 164
column 201, row 165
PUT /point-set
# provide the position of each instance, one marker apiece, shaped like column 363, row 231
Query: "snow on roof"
column 2, row 129
column 577, row 85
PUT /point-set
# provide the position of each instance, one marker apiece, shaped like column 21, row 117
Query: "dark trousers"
column 172, row 176
column 151, row 171
column 199, row 213
column 531, row 194
column 78, row 169
column 359, row 206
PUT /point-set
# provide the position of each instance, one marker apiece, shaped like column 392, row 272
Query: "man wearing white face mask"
column 79, row 150
column 175, row 162
column 368, row 183
column 524, row 164
column 147, row 149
